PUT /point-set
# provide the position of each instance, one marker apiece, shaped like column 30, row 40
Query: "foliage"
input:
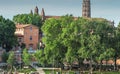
column 23, row 45
column 54, row 71
column 11, row 59
column 52, row 30
column 26, row 57
column 26, row 70
column 39, row 56
column 69, row 40
column 7, row 37
column 5, row 57
column 34, row 19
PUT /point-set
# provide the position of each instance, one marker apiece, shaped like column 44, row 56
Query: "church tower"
column 86, row 8
column 36, row 10
column 43, row 14
column 31, row 12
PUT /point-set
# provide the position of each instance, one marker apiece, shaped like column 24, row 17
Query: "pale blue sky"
column 109, row 9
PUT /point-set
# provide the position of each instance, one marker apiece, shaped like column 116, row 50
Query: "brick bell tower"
column 86, row 8
column 36, row 10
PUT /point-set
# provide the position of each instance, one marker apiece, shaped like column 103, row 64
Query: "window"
column 30, row 37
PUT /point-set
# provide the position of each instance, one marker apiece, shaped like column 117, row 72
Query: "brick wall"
column 31, row 36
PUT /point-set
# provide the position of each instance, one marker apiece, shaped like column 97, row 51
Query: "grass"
column 54, row 71
column 26, row 70
column 115, row 72
column 105, row 72
column 73, row 72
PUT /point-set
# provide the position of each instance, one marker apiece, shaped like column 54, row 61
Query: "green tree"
column 39, row 56
column 53, row 46
column 69, row 40
column 115, row 42
column 94, row 39
column 7, row 37
column 5, row 57
column 26, row 57
column 11, row 59
column 34, row 19
column 61, row 39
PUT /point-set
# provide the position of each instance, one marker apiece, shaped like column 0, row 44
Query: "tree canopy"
column 69, row 40
column 26, row 57
column 7, row 37
column 34, row 19
column 11, row 59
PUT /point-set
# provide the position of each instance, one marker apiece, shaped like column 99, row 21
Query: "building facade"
column 27, row 34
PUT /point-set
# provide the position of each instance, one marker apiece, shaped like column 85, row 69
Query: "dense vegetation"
column 33, row 19
column 7, row 37
column 69, row 40
column 78, row 72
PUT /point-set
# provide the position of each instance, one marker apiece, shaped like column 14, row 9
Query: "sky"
column 108, row 9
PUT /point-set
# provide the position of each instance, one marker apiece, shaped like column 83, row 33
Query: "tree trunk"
column 91, row 65
column 70, row 67
column 100, row 66
column 115, row 65
column 61, row 65
column 106, row 65
column 10, row 72
column 80, row 60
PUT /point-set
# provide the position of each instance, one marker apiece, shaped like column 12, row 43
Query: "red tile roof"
column 57, row 17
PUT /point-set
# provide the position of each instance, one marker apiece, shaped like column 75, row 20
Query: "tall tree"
column 39, row 56
column 53, row 46
column 26, row 57
column 11, row 59
column 61, row 39
column 7, row 37
column 34, row 19
column 94, row 39
column 115, row 42
column 69, row 40
column 5, row 57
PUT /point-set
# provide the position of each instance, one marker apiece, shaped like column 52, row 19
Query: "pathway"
column 40, row 71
